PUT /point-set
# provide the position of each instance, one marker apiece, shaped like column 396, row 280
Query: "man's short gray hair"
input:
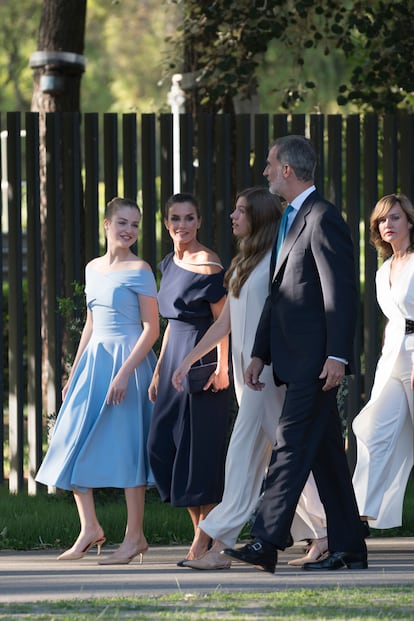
column 299, row 152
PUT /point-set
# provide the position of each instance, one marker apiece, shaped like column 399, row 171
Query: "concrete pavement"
column 37, row 575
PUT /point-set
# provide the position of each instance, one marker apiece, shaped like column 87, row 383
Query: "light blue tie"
column 283, row 229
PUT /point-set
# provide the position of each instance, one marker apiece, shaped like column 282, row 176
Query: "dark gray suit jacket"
column 311, row 309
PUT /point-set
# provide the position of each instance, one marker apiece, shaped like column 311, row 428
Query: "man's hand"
column 333, row 371
column 252, row 374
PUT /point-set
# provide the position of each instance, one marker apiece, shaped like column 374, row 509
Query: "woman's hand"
column 219, row 380
column 117, row 389
column 179, row 376
column 153, row 387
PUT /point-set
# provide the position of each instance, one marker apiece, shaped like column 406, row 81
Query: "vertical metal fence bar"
column 15, row 332
column 370, row 191
column 149, row 194
column 406, row 153
column 334, row 180
column 224, row 198
column 316, row 129
column 298, row 124
column 130, row 162
column 390, row 154
column 91, row 208
column 166, row 174
column 280, row 125
column 130, row 155
column 205, row 177
column 54, row 257
column 187, row 152
column 110, row 155
column 261, row 147
column 34, row 337
column 72, row 201
column 2, row 328
column 243, row 148
column 353, row 217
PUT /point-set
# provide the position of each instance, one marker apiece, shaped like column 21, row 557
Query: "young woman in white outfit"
column 254, row 221
column 384, row 427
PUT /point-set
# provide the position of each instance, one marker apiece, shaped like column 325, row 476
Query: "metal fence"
column 91, row 158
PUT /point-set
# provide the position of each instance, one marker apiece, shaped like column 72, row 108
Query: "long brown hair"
column 263, row 211
column 380, row 210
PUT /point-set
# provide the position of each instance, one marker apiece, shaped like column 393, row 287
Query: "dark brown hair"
column 263, row 211
column 182, row 197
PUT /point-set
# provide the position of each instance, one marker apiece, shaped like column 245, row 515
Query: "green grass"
column 368, row 603
column 51, row 520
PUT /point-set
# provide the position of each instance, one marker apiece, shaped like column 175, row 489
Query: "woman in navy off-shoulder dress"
column 99, row 439
column 188, row 433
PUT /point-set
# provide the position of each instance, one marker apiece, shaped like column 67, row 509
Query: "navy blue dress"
column 188, row 434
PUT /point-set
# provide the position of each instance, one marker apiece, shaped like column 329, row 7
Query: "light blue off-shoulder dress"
column 94, row 444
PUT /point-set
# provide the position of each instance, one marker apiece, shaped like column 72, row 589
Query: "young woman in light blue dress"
column 100, row 435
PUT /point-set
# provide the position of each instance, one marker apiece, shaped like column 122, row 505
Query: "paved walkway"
column 36, row 575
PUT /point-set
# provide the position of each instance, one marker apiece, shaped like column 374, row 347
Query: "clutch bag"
column 199, row 375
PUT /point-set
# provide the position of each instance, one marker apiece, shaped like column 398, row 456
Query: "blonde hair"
column 380, row 210
column 263, row 211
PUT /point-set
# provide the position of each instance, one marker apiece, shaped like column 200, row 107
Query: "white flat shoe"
column 212, row 559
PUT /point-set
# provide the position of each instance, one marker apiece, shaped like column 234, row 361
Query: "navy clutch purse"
column 199, row 375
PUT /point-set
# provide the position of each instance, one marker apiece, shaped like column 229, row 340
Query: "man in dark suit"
column 306, row 332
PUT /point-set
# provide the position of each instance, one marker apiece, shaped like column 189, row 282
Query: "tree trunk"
column 58, row 67
column 62, row 29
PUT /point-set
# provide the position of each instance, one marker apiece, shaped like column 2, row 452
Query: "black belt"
column 409, row 326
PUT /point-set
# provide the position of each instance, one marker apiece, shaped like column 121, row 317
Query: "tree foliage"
column 19, row 25
column 379, row 36
column 124, row 46
column 125, row 42
column 223, row 42
column 293, row 49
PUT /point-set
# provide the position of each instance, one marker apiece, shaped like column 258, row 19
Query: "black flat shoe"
column 339, row 560
column 261, row 554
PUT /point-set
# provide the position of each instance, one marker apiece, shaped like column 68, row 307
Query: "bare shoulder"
column 209, row 261
column 140, row 264
column 95, row 263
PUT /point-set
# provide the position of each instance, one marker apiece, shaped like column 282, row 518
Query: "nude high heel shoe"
column 317, row 549
column 74, row 556
column 119, row 558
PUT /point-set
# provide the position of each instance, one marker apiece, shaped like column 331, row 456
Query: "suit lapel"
column 294, row 232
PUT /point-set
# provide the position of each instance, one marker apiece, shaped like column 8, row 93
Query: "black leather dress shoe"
column 289, row 542
column 339, row 560
column 365, row 529
column 261, row 554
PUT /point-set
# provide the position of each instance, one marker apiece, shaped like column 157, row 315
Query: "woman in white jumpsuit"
column 254, row 221
column 384, row 427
